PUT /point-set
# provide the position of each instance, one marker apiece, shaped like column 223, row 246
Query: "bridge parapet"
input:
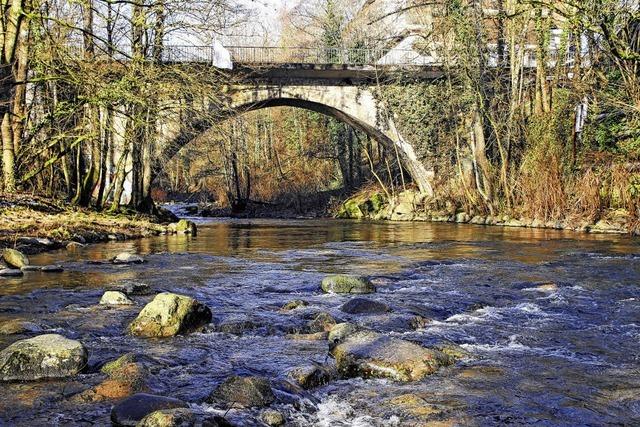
column 263, row 55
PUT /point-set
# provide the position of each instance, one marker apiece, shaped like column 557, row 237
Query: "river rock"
column 339, row 333
column 52, row 269
column 186, row 227
column 128, row 258
column 246, row 392
column 29, row 268
column 364, row 306
column 131, row 288
column 125, row 377
column 315, row 336
column 36, row 241
column 372, row 355
column 310, row 376
column 170, row 314
column 179, row 417
column 345, row 284
column 44, row 356
column 74, row 245
column 547, row 287
column 132, row 410
column 292, row 305
column 115, row 298
column 11, row 272
column 462, row 217
column 273, row 418
column 14, row 258
column 236, row 327
column 18, row 326
column 321, row 322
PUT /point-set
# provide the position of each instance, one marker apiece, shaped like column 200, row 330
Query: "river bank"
column 410, row 205
column 33, row 224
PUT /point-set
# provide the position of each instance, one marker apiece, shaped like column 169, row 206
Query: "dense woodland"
column 538, row 112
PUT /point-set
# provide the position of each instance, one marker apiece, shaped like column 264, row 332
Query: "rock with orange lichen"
column 125, row 377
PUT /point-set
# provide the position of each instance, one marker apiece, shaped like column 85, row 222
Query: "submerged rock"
column 246, row 392
column 74, row 245
column 14, row 258
column 18, row 326
column 236, row 327
column 547, row 287
column 115, row 298
column 11, row 272
column 132, row 410
column 292, row 305
column 364, row 306
column 127, row 258
column 321, row 322
column 371, row 355
column 44, row 356
column 316, row 336
column 418, row 322
column 170, row 314
column 52, row 269
column 131, row 288
column 273, row 418
column 345, row 284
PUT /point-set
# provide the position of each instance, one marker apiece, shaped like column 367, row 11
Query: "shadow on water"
column 562, row 355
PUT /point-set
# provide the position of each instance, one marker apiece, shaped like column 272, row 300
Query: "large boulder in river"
column 247, row 392
column 132, row 410
column 372, row 355
column 345, row 284
column 44, row 356
column 170, row 314
column 364, row 306
column 14, row 258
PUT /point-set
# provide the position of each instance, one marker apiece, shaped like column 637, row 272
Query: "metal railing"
column 265, row 56
column 255, row 55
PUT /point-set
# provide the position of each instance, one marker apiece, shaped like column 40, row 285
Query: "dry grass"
column 63, row 223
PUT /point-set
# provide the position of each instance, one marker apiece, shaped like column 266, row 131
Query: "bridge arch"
column 353, row 105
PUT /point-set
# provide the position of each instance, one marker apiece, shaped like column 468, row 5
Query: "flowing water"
column 552, row 355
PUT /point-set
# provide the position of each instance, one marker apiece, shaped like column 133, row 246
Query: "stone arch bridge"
column 342, row 90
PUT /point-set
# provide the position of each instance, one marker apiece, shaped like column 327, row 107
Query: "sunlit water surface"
column 558, row 357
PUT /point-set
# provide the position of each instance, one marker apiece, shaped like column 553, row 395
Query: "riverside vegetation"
column 535, row 123
column 535, row 116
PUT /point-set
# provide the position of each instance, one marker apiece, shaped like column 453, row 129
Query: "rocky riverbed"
column 325, row 323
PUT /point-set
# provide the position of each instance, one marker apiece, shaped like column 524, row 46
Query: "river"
column 554, row 355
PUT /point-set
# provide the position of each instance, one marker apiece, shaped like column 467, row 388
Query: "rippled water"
column 563, row 356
